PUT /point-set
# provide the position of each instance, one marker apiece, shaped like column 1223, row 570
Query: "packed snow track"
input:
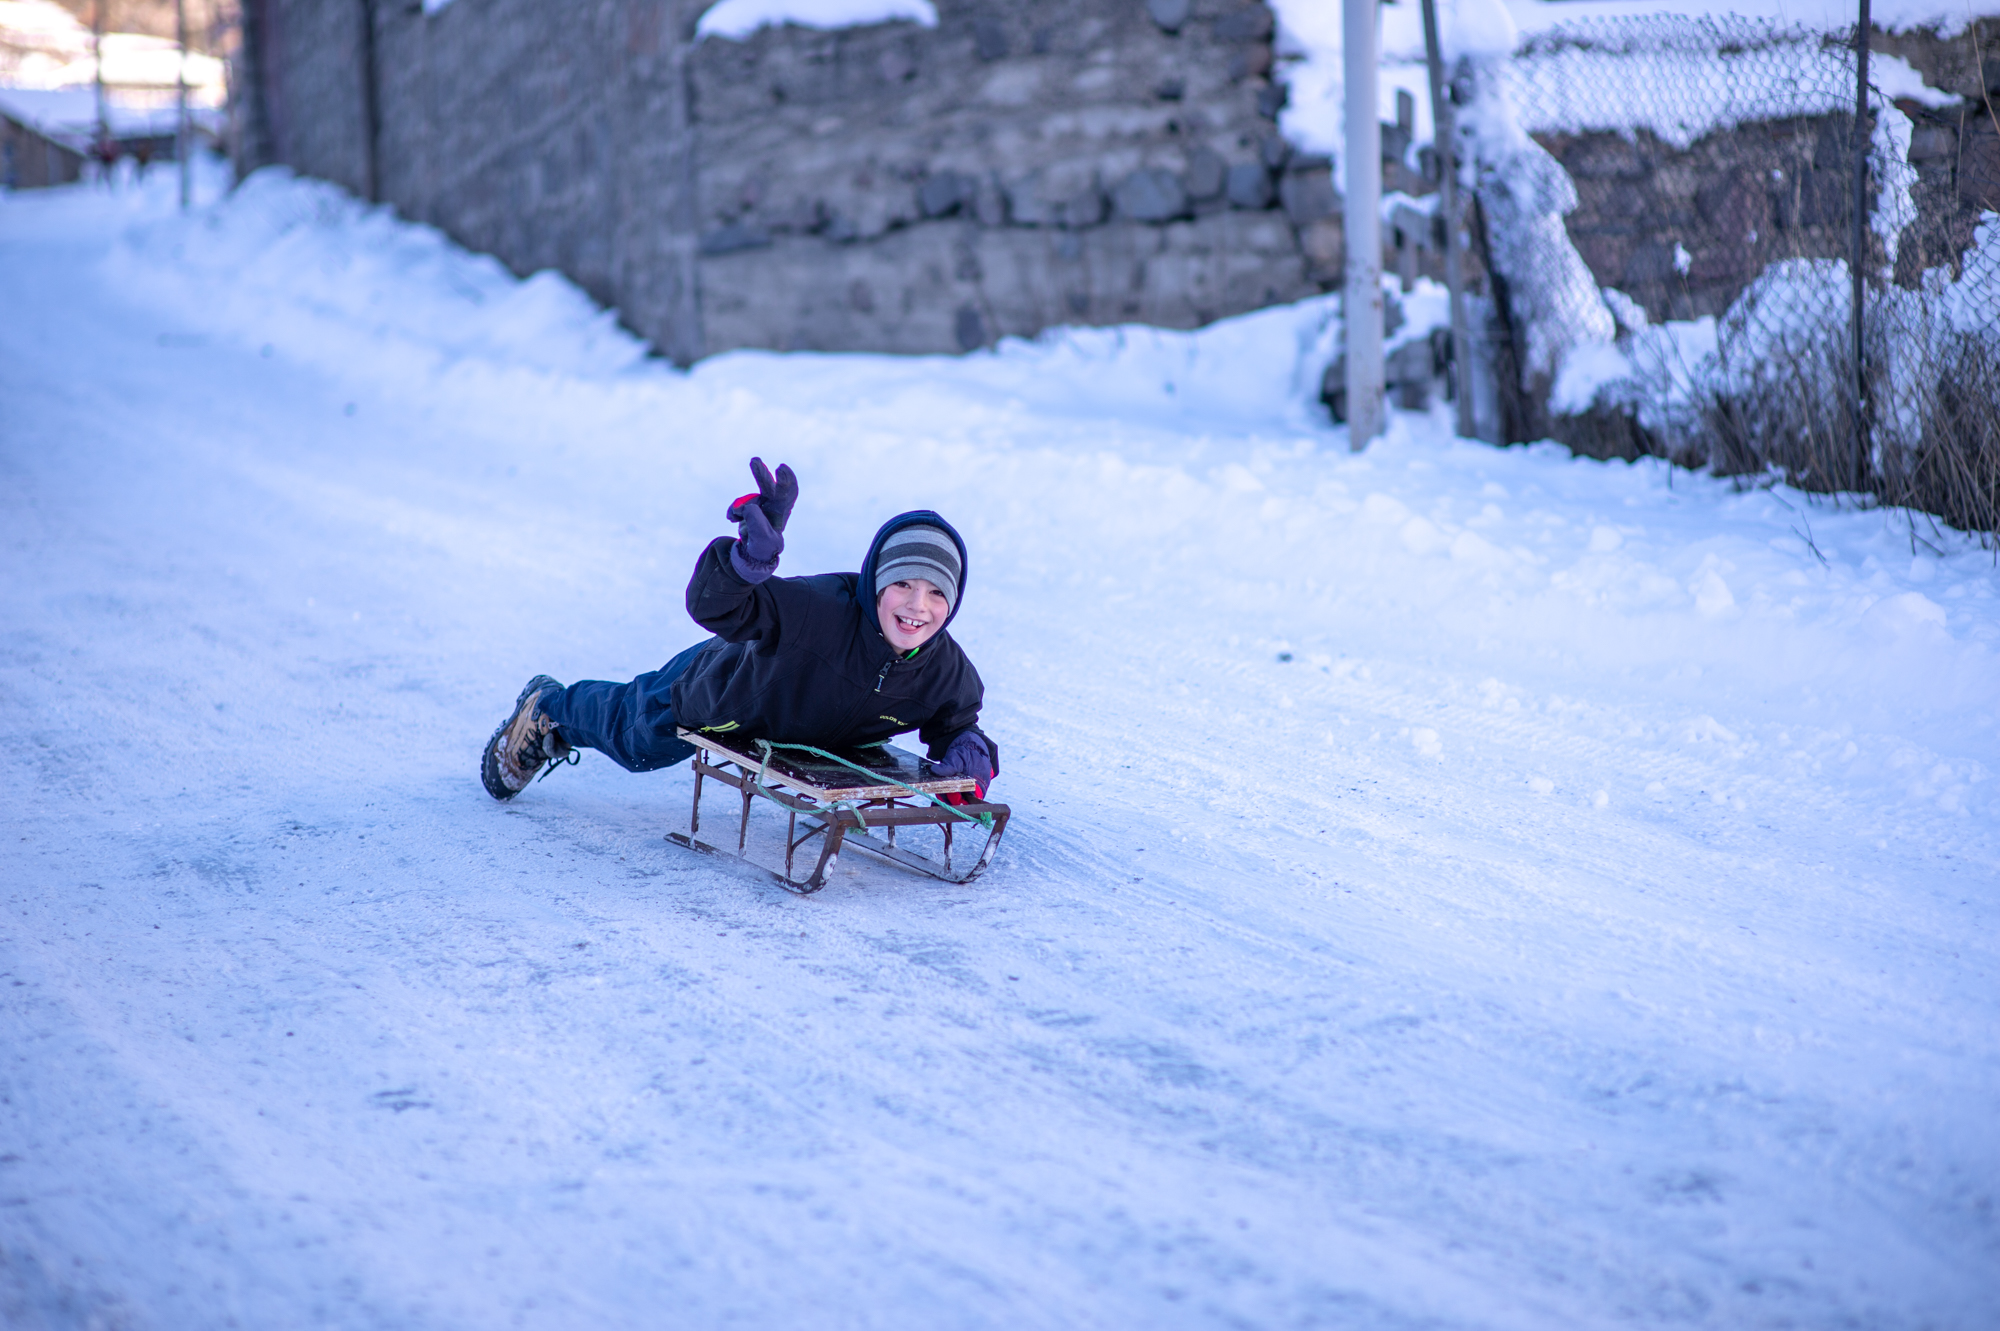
column 1450, row 887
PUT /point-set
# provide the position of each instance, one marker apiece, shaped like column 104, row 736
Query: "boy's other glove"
column 775, row 495
column 969, row 754
column 760, row 521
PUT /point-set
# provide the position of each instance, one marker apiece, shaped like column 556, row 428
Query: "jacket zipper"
column 879, row 679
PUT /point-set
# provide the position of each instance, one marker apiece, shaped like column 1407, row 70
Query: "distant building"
column 48, row 85
column 30, row 159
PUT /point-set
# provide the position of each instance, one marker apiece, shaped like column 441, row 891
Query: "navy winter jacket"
column 804, row 659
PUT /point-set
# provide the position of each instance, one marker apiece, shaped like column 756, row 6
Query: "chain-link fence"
column 1716, row 183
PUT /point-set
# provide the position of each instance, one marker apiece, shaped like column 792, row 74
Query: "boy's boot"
column 524, row 741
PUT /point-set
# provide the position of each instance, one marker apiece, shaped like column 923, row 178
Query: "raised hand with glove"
column 970, row 754
column 760, row 521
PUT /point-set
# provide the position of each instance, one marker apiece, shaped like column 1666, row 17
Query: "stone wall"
column 1046, row 162
column 888, row 188
column 1683, row 231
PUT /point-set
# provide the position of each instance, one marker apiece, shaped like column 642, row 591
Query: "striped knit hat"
column 919, row 551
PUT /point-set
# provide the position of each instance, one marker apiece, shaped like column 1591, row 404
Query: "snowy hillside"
column 1450, row 887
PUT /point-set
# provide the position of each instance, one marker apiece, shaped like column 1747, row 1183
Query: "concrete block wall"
column 890, row 187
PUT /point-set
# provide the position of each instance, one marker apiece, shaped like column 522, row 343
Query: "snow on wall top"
column 1684, row 81
column 1309, row 42
column 737, row 19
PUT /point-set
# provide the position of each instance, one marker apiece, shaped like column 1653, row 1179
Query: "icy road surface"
column 1450, row 887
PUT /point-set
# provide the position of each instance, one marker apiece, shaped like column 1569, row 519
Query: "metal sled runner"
column 844, row 799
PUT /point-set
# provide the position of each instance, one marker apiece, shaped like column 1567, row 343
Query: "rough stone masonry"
column 884, row 188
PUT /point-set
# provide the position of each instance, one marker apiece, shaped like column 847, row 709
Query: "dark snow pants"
column 632, row 724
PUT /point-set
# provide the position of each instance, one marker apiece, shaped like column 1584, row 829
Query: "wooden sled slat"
column 827, row 781
column 840, row 806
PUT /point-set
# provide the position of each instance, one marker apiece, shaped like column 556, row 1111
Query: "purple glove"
column 970, row 754
column 775, row 494
column 755, row 554
column 760, row 520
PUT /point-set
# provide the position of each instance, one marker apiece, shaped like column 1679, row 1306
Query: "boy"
column 836, row 660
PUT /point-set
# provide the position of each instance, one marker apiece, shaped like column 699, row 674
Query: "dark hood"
column 864, row 590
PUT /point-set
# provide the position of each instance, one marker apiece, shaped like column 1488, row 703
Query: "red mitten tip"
column 735, row 513
column 961, row 797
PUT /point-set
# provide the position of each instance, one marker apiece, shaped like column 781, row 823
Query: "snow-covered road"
column 1450, row 887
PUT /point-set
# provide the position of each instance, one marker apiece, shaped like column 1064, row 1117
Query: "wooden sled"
column 841, row 806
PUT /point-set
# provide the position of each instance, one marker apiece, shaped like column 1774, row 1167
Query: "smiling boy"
column 836, row 659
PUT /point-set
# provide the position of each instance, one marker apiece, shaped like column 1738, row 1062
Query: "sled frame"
column 839, row 806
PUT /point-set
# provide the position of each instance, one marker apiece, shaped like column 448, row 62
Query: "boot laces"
column 569, row 757
column 545, row 744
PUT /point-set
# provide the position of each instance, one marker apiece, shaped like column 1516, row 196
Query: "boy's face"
column 911, row 612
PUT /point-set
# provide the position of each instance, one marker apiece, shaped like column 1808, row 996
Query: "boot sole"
column 489, row 759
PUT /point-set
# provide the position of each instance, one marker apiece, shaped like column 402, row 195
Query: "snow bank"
column 300, row 263
column 1262, row 366
column 332, row 258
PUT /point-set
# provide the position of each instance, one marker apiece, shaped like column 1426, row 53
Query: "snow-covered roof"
column 69, row 115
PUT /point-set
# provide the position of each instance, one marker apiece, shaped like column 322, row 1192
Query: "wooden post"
column 1361, row 304
column 1444, row 142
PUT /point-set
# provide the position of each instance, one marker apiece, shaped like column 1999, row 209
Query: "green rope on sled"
column 985, row 820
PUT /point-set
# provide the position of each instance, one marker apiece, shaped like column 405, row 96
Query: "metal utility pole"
column 183, row 140
column 1361, row 302
column 1857, row 263
column 1444, row 142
